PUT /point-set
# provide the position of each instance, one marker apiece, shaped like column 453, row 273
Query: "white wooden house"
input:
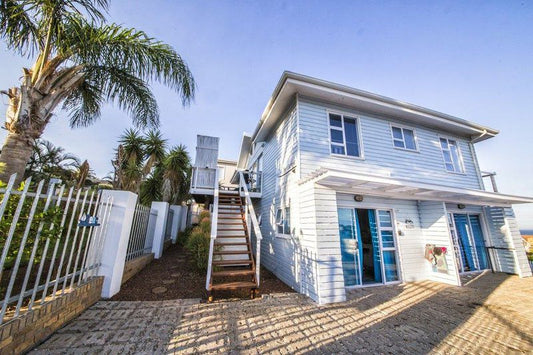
column 353, row 189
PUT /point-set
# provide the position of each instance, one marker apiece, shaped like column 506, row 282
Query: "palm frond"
column 18, row 27
column 131, row 51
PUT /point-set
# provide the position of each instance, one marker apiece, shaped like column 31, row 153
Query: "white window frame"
column 357, row 119
column 402, row 127
column 459, row 152
column 281, row 223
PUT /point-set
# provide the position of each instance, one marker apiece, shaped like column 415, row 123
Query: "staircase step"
column 231, row 244
column 231, row 223
column 232, row 236
column 219, row 218
column 232, row 262
column 234, row 285
column 236, row 212
column 232, row 252
column 233, row 273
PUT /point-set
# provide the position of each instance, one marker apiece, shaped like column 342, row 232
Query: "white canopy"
column 375, row 185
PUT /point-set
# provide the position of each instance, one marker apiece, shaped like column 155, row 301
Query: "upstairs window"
column 344, row 135
column 283, row 220
column 451, row 155
column 404, row 138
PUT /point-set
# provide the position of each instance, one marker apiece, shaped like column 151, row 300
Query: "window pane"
column 387, row 241
column 350, row 128
column 409, row 139
column 391, row 270
column 449, row 167
column 335, row 120
column 444, row 143
column 337, row 149
column 287, row 221
column 352, row 149
column 455, row 156
column 336, row 136
column 385, row 219
column 278, row 216
column 447, row 156
column 398, row 144
column 397, row 133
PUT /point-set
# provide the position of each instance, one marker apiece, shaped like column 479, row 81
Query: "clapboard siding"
column 413, row 266
column 427, row 165
column 288, row 257
column 513, row 233
column 434, row 221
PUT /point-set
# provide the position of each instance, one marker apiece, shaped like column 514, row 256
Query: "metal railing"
column 214, row 224
column 56, row 232
column 250, row 212
column 141, row 235
column 204, row 178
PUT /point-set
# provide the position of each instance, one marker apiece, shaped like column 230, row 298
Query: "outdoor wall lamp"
column 461, row 206
column 358, row 198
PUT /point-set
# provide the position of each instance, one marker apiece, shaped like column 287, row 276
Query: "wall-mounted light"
column 358, row 198
column 409, row 224
column 461, row 206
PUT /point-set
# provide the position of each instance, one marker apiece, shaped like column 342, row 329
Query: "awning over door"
column 375, row 185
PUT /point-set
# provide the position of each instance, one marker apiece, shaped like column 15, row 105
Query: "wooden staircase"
column 233, row 265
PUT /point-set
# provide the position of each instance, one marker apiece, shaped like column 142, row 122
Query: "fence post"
column 184, row 214
column 116, row 239
column 175, row 222
column 160, row 224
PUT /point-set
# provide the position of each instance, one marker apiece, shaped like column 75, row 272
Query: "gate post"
column 160, row 224
column 175, row 222
column 116, row 239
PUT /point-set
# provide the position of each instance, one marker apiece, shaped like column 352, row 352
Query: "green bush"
column 204, row 214
column 205, row 225
column 198, row 245
column 184, row 236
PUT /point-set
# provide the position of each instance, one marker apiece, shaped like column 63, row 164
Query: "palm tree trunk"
column 15, row 155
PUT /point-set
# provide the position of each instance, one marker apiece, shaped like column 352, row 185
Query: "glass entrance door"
column 470, row 243
column 368, row 247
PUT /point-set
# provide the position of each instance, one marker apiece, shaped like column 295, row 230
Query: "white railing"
column 214, row 223
column 204, row 178
column 58, row 219
column 141, row 236
column 255, row 224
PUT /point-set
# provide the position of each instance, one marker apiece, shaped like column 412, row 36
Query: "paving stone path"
column 492, row 314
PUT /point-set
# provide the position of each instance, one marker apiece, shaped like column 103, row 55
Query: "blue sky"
column 469, row 59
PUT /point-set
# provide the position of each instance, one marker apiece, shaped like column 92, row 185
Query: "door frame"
column 484, row 231
column 375, row 208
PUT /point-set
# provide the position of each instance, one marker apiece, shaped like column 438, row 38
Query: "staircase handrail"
column 213, row 236
column 255, row 224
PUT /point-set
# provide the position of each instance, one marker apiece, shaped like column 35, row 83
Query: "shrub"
column 184, row 236
column 204, row 214
column 205, row 225
column 198, row 245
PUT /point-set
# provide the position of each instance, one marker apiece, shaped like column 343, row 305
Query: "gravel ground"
column 174, row 276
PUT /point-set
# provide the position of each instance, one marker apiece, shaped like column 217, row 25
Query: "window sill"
column 456, row 172
column 344, row 156
column 407, row 150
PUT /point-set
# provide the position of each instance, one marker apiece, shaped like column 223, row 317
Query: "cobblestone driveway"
column 492, row 314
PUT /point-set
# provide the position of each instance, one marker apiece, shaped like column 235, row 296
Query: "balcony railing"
column 203, row 178
column 253, row 181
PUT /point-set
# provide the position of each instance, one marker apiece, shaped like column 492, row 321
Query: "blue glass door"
column 388, row 246
column 471, row 242
column 349, row 238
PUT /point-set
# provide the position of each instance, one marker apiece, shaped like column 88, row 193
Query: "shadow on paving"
column 492, row 314
column 486, row 316
column 176, row 273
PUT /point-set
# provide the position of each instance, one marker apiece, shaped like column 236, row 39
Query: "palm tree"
column 130, row 157
column 48, row 160
column 80, row 63
column 176, row 174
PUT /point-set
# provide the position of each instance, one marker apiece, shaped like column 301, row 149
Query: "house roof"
column 385, row 186
column 291, row 84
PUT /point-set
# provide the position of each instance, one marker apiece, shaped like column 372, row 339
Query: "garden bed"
column 175, row 276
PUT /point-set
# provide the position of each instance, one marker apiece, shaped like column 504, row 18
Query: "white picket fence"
column 142, row 234
column 41, row 259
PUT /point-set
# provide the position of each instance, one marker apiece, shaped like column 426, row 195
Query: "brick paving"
column 493, row 313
